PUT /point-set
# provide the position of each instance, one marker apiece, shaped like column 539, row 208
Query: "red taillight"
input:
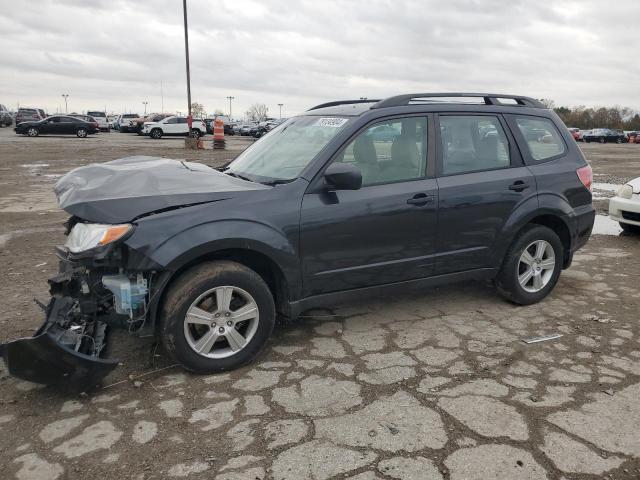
column 585, row 174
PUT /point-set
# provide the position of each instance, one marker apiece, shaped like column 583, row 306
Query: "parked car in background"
column 576, row 133
column 625, row 206
column 29, row 115
column 632, row 136
column 245, row 130
column 122, row 123
column 101, row 118
column 58, row 125
column 112, row 121
column 605, row 135
column 383, row 133
column 209, row 124
column 86, row 118
column 136, row 124
column 173, row 126
column 6, row 119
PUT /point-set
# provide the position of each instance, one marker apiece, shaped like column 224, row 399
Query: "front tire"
column 532, row 266
column 195, row 133
column 603, row 140
column 32, row 132
column 629, row 228
column 156, row 134
column 82, row 133
column 216, row 317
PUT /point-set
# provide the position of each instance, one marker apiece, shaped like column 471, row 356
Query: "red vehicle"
column 633, row 137
column 577, row 134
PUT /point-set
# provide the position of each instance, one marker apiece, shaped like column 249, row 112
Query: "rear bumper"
column 584, row 218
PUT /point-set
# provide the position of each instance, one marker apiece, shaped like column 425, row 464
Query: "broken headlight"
column 85, row 236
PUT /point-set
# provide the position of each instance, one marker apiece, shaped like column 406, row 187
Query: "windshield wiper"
column 278, row 181
column 241, row 177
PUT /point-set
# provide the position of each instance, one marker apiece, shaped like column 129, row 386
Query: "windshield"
column 285, row 151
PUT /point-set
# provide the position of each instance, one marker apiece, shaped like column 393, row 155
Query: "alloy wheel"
column 221, row 322
column 536, row 266
column 32, row 132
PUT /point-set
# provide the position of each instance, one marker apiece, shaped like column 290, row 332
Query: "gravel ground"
column 432, row 385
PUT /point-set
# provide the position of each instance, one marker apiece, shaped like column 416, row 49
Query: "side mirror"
column 343, row 176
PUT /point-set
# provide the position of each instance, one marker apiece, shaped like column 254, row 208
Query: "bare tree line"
column 619, row 118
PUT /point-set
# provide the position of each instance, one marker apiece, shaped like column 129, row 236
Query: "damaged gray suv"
column 348, row 199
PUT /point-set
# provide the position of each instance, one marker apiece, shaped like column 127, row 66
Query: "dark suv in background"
column 322, row 209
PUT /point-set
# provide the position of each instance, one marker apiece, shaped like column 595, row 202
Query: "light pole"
column 230, row 98
column 65, row 96
column 145, row 107
column 186, row 54
column 280, row 105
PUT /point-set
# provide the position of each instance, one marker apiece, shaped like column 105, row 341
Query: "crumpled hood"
column 122, row 190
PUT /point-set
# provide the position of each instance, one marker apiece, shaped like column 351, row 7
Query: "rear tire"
column 528, row 279
column 628, row 228
column 197, row 291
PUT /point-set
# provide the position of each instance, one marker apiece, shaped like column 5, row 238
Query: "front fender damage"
column 65, row 349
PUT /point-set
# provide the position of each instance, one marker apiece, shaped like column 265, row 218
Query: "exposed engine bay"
column 87, row 300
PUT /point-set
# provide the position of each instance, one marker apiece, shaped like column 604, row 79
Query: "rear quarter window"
column 542, row 137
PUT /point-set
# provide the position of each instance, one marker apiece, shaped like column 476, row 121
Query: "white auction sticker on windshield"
column 334, row 122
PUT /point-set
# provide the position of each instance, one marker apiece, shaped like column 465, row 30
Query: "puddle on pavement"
column 603, row 225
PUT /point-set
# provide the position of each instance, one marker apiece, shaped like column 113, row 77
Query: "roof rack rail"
column 343, row 102
column 489, row 99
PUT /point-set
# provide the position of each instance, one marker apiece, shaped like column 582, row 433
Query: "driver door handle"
column 518, row 186
column 420, row 199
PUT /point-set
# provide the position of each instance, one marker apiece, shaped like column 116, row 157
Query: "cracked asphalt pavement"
column 433, row 384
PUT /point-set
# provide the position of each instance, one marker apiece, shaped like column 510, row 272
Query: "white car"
column 625, row 206
column 101, row 118
column 174, row 126
column 122, row 122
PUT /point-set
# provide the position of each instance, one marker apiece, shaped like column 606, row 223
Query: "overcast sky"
column 114, row 54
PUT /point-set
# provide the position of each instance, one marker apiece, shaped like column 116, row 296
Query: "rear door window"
column 471, row 143
column 541, row 136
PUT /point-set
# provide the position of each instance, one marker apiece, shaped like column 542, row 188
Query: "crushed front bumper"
column 62, row 350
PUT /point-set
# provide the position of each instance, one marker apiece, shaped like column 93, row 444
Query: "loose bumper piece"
column 44, row 359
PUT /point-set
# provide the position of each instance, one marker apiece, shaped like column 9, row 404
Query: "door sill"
column 348, row 296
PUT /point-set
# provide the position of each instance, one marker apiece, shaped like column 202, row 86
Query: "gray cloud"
column 115, row 53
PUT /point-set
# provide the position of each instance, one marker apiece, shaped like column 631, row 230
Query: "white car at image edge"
column 625, row 206
column 174, row 126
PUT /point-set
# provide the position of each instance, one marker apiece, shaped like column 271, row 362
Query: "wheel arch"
column 553, row 212
column 279, row 283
